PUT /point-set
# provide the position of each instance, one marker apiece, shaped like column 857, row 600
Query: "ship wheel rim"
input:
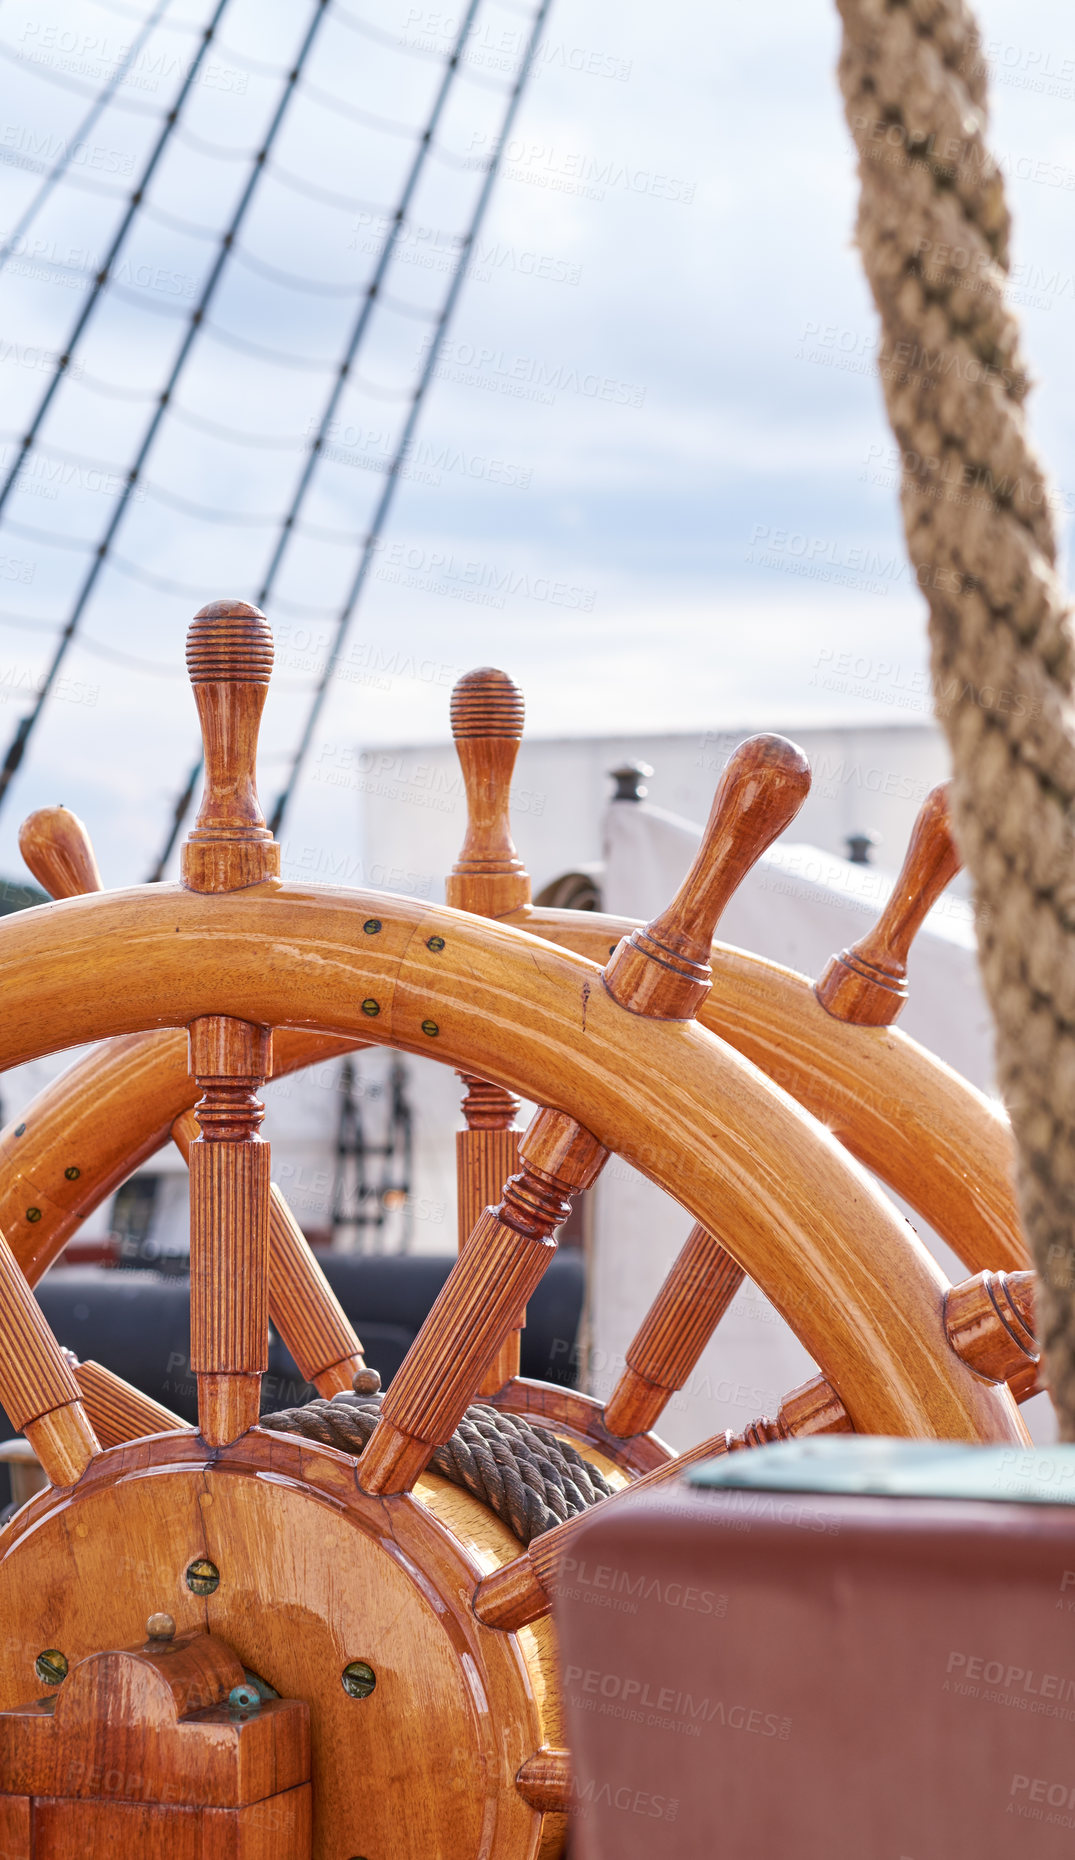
column 535, row 1018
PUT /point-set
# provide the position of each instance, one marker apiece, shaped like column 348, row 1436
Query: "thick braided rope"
column 933, row 232
column 526, row 1475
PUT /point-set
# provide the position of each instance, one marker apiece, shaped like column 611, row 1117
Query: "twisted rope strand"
column 933, row 230
column 523, row 1472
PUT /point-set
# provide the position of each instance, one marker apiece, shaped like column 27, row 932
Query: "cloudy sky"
column 655, row 406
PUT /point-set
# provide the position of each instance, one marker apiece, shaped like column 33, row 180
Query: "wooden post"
column 229, row 659
column 867, row 983
column 487, row 879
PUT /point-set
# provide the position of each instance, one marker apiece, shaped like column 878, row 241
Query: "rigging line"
column 290, row 280
column 220, row 151
column 144, row 300
column 451, row 160
column 212, row 513
column 128, row 12
column 176, row 224
column 88, row 307
column 49, row 537
column 59, row 167
column 384, row 261
column 343, row 373
column 266, row 442
column 37, row 69
column 17, row 747
column 278, row 357
column 88, row 183
column 162, row 584
column 319, row 365
column 538, row 19
column 29, row 623
column 389, row 126
column 327, row 197
column 368, row 31
column 111, row 390
column 494, row 84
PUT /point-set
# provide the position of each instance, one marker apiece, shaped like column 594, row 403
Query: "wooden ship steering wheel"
column 363, row 1594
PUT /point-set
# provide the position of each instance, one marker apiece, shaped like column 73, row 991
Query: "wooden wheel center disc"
column 313, row 1576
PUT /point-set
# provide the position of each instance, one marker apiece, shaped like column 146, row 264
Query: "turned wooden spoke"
column 487, row 1288
column 663, row 971
column 302, row 1305
column 37, row 1388
column 867, row 983
column 57, row 849
column 488, row 878
column 544, row 1780
column 229, row 659
column 989, row 1321
column 118, row 1411
column 487, row 1156
column 675, row 1330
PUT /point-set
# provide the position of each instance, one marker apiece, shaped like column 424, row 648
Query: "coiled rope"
column 524, row 1473
column 933, row 229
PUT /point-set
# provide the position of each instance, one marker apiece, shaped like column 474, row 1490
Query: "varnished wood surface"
column 935, row 1139
column 675, row 1330
column 229, row 659
column 58, row 851
column 489, row 877
column 83, row 1134
column 486, row 1154
column 313, row 1575
column 37, row 1388
column 229, row 1224
column 808, row 1226
column 118, row 1411
column 664, row 970
column 989, row 1321
column 867, row 984
column 481, row 1301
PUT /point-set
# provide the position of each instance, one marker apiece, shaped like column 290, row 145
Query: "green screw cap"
column 33, row 1214
column 435, row 943
column 358, row 1679
column 72, row 1174
column 430, row 1027
column 370, row 1006
column 371, row 926
column 51, row 1667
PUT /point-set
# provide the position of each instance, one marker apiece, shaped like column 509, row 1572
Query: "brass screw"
column 72, row 1174
column 51, row 1667
column 358, row 1679
column 435, row 943
column 370, row 1006
column 203, row 1576
column 160, row 1627
column 430, row 1027
column 371, row 926
column 33, row 1214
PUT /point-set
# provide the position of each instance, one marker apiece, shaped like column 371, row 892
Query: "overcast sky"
column 656, row 405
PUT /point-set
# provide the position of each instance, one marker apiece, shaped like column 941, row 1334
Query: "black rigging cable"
column 59, row 168
column 26, row 724
column 343, row 376
column 384, row 504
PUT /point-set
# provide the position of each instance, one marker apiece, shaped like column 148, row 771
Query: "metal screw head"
column 160, row 1627
column 244, row 1698
column 51, row 1666
column 370, row 1006
column 72, row 1174
column 33, row 1214
column 202, row 1576
column 371, row 926
column 435, row 943
column 358, row 1679
column 430, row 1027
column 20, row 1130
